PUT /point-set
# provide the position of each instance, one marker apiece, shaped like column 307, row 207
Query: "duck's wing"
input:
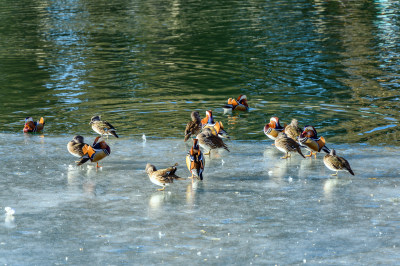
column 216, row 142
column 162, row 179
column 107, row 124
column 167, row 171
column 83, row 160
column 336, row 162
column 192, row 128
column 346, row 165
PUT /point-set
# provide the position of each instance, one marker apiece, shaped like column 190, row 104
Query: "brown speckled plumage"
column 209, row 141
column 162, row 177
column 287, row 145
column 102, row 127
column 75, row 146
column 194, row 126
column 336, row 163
column 293, row 130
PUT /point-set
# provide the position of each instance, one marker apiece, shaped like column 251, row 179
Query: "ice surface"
column 252, row 206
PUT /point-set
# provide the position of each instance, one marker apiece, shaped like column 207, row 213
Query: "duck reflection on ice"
column 9, row 217
column 331, row 184
column 156, row 203
column 72, row 175
column 275, row 168
column 191, row 191
column 88, row 185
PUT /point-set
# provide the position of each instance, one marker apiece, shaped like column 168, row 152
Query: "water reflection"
column 332, row 64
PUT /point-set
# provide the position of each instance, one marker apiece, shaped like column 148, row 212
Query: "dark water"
column 145, row 65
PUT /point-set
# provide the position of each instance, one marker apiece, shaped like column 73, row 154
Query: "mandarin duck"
column 75, row 146
column 309, row 139
column 208, row 141
column 31, row 126
column 195, row 161
column 162, row 177
column 273, row 128
column 209, row 119
column 217, row 128
column 336, row 163
column 237, row 105
column 102, row 127
column 293, row 130
column 194, row 126
column 95, row 153
column 287, row 145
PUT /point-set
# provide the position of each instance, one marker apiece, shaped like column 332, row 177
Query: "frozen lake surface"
column 251, row 208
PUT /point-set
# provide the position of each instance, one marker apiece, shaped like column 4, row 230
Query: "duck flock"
column 208, row 135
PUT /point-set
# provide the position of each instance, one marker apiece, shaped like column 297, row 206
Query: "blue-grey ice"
column 251, row 208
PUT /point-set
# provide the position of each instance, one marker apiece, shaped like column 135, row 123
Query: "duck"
column 209, row 119
column 75, row 146
column 208, row 141
column 31, row 126
column 217, row 128
column 162, row 177
column 309, row 139
column 273, row 128
column 95, row 152
column 287, row 145
column 102, row 127
column 195, row 161
column 193, row 127
column 237, row 105
column 336, row 163
column 293, row 130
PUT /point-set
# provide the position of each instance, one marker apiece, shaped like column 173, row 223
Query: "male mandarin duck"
column 209, row 119
column 311, row 142
column 237, row 105
column 75, row 146
column 162, row 177
column 195, row 161
column 273, row 128
column 287, row 145
column 293, row 130
column 336, row 163
column 208, row 141
column 217, row 128
column 94, row 153
column 193, row 127
column 31, row 126
column 102, row 127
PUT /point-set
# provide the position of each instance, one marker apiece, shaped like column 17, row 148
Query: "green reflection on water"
column 145, row 65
